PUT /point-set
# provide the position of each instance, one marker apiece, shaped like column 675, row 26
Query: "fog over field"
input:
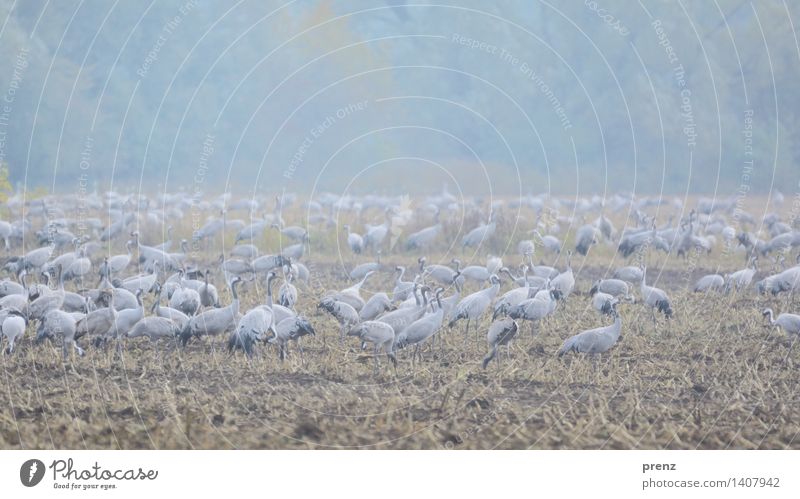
column 389, row 96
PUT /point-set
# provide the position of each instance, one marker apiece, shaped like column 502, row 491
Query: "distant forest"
column 389, row 96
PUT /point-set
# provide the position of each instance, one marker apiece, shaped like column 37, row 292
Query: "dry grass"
column 712, row 378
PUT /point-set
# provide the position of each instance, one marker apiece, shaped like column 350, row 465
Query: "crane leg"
column 466, row 332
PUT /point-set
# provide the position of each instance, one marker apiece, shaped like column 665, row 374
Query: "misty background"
column 384, row 96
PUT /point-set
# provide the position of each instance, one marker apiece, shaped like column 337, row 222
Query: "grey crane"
column 550, row 242
column 585, row 238
column 126, row 319
column 359, row 271
column 292, row 232
column 788, row 322
column 605, row 227
column 58, row 323
column 402, row 317
column 535, row 309
column 12, row 326
column 631, row 274
column 265, row 263
column 375, row 235
column 290, row 329
column 287, row 293
column 185, row 299
column 565, row 281
column 379, row 334
column 235, row 266
column 155, row 328
column 35, row 259
column 145, row 282
column 98, row 322
column 352, row 295
column 295, row 251
column 513, row 297
column 501, row 332
column 170, row 313
column 741, row 279
column 603, row 302
column 208, row 293
column 442, row 274
column 594, row 341
column 150, row 256
column 8, row 287
column 708, row 283
column 422, row 329
column 614, row 287
column 402, row 289
column 377, row 304
column 473, row 306
column 343, row 312
column 655, row 298
column 50, row 300
column 479, row 234
column 117, row 263
column 477, row 273
column 215, row 321
column 423, row 238
column 354, row 241
column 246, row 251
column 253, row 231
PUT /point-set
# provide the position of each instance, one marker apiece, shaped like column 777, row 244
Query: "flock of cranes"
column 72, row 279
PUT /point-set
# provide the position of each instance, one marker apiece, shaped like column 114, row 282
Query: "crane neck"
column 269, row 290
column 60, row 279
column 235, row 302
column 616, row 328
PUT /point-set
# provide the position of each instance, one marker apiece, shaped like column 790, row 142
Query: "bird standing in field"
column 287, row 294
column 290, row 329
column 593, row 341
column 354, row 240
column 359, row 271
column 479, row 234
column 402, row 289
column 708, row 283
column 788, row 322
column 376, row 305
column 13, row 327
column 501, row 332
column 473, row 306
column 423, row 328
column 741, row 279
column 379, row 334
column 344, row 313
column 655, row 298
column 214, row 321
column 565, row 281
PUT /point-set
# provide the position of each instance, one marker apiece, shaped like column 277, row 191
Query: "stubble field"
column 712, row 377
